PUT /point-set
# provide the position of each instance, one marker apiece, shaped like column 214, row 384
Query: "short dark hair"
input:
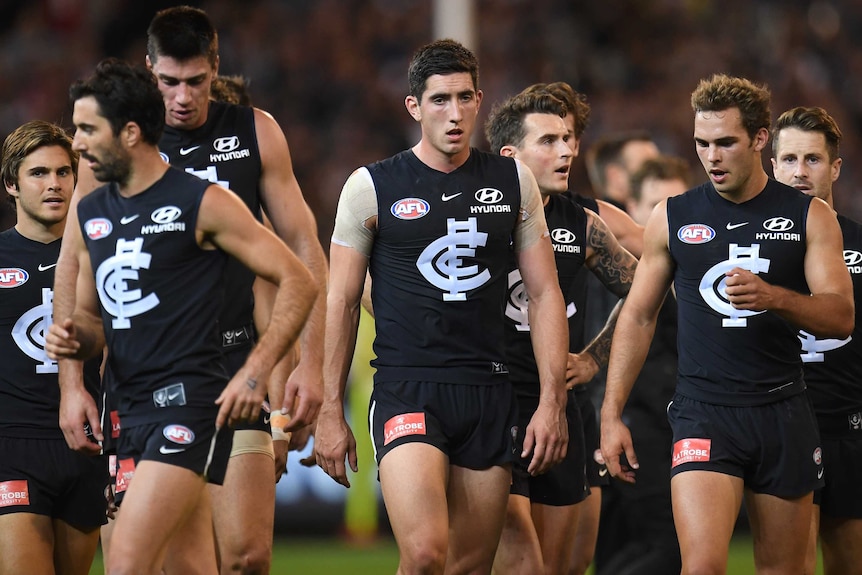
column 505, row 124
column 660, row 168
column 813, row 119
column 608, row 150
column 442, row 57
column 125, row 93
column 576, row 103
column 28, row 138
column 722, row 92
column 182, row 33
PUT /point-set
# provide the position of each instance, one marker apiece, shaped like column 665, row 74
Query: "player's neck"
column 39, row 231
column 438, row 160
column 750, row 188
column 147, row 169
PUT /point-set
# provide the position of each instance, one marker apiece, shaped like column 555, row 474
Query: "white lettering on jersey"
column 112, row 279
column 518, row 305
column 210, row 174
column 714, row 283
column 815, row 348
column 30, row 329
column 441, row 262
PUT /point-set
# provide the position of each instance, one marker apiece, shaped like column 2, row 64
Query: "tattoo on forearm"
column 600, row 347
column 614, row 266
column 251, row 383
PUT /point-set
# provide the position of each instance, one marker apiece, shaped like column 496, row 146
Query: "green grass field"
column 334, row 557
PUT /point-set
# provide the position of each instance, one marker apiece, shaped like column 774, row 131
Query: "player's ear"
column 149, row 63
column 509, row 151
column 11, row 189
column 412, row 105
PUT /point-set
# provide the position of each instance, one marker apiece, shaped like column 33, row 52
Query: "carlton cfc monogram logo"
column 112, row 283
column 441, row 263
column 30, row 329
column 713, row 285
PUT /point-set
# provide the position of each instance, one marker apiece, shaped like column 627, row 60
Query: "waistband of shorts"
column 238, row 336
column 840, row 425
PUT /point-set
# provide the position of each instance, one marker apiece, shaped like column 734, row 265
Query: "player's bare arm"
column 628, row 232
column 829, row 310
column 333, row 439
column 294, row 223
column 615, row 267
column 632, row 336
column 225, row 222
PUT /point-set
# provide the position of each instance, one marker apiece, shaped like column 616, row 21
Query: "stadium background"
column 333, row 73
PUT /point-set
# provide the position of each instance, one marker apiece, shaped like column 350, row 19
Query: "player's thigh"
column 195, row 553
column 413, row 479
column 519, row 550
column 705, row 507
column 556, row 526
column 154, row 515
column 841, row 544
column 26, row 544
column 780, row 528
column 74, row 549
column 588, row 529
column 474, row 536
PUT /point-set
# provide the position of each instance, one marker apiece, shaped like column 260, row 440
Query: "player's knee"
column 580, row 563
column 254, row 561
column 423, row 560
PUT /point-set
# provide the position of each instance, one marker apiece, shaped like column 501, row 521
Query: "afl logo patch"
column 98, row 228
column 410, row 208
column 695, row 234
column 178, row 434
column 13, row 277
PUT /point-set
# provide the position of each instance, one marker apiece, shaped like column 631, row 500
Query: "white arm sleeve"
column 531, row 225
column 357, row 203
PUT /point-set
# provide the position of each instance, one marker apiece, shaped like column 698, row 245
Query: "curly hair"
column 722, row 92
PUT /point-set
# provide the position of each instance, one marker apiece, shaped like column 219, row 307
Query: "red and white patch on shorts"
column 14, row 493
column 691, row 450
column 125, row 472
column 115, row 424
column 404, row 424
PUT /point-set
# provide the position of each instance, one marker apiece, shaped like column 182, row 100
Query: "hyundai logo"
column 562, row 236
column 226, row 144
column 166, row 214
column 852, row 257
column 778, row 224
column 489, row 196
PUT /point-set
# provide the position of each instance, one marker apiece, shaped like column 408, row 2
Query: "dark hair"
column 442, row 57
column 660, row 168
column 230, row 89
column 722, row 92
column 814, row 119
column 125, row 93
column 505, row 124
column 576, row 103
column 609, row 150
column 182, row 33
column 28, row 138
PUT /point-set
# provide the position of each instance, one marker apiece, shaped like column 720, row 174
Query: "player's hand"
column 580, row 369
column 746, row 290
column 303, row 396
column 280, row 447
column 61, row 341
column 547, row 437
column 241, row 400
column 333, row 442
column 78, row 412
column 617, row 441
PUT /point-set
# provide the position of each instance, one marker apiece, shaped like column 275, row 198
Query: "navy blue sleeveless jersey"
column 160, row 294
column 439, row 266
column 729, row 356
column 567, row 223
column 29, row 392
column 224, row 151
column 833, row 367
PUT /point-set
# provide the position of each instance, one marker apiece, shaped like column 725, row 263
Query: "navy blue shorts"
column 841, row 497
column 774, row 448
column 183, row 437
column 473, row 425
column 566, row 482
column 45, row 477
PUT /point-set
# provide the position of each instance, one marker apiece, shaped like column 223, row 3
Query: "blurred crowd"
column 332, row 72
